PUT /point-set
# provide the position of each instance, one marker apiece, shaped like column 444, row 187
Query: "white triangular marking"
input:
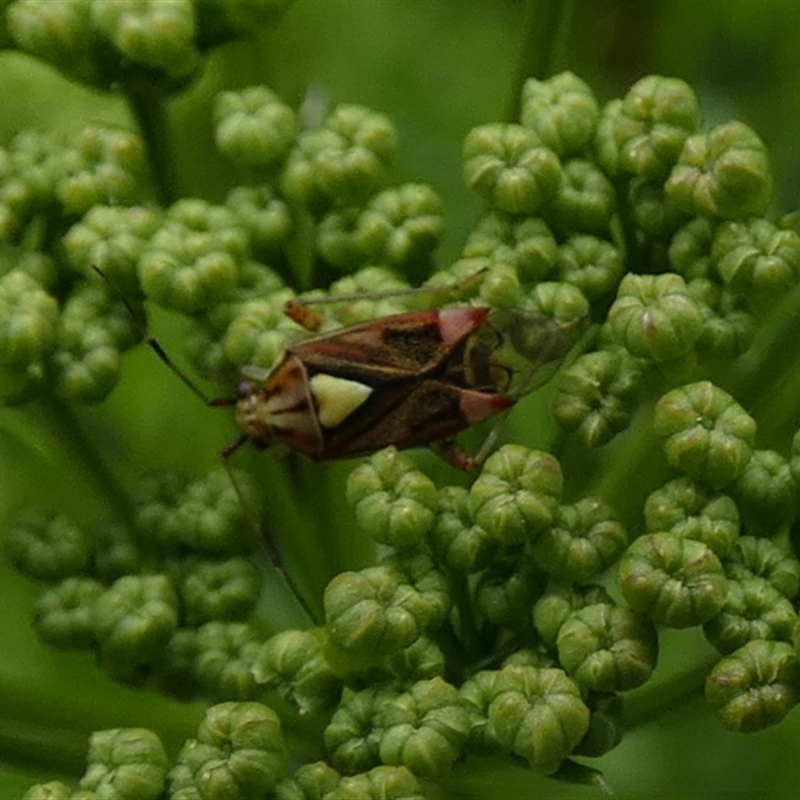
column 337, row 398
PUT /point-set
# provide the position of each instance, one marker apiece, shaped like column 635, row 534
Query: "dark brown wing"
column 392, row 349
column 415, row 414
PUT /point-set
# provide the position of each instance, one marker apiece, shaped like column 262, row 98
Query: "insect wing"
column 402, row 347
column 414, row 414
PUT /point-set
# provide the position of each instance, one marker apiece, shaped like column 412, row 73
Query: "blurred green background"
column 437, row 68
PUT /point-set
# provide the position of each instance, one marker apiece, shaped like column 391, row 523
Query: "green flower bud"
column 673, row 581
column 526, row 244
column 424, row 729
column 556, row 605
column 764, row 558
column 393, row 502
column 193, row 259
column 766, row 492
column 584, row 200
column 40, row 266
column 653, row 211
column 353, row 735
column 219, row 590
column 259, row 331
column 209, row 516
column 294, row 663
column 126, row 763
column 372, row 611
column 684, row 508
column 505, row 592
column 509, row 167
column 154, row 497
column 104, row 166
column 401, row 226
column 537, row 714
column 397, row 783
column 561, row 301
column 643, row 133
column 342, row 163
column 728, row 331
column 517, row 494
column 754, row 609
column 253, row 126
column 456, row 540
column 93, row 328
column 591, row 264
column 133, row 620
column 310, row 782
column 707, row 434
column 60, row 33
column 654, row 317
column 530, row 657
column 338, row 241
column 226, row 654
column 598, row 394
column 53, row 790
column 562, row 111
column 755, row 687
column 47, row 548
column 112, row 238
column 722, row 173
column 500, row 285
column 368, row 280
column 690, row 249
column 239, row 752
column 422, row 660
column 432, row 603
column 757, row 260
column 607, row 648
column 477, row 692
column 28, row 319
column 154, row 34
column 264, row 216
column 63, row 615
column 583, row 541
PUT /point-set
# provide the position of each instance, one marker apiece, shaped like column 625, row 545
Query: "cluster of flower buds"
column 507, row 616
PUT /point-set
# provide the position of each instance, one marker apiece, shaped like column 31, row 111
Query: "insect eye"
column 245, row 389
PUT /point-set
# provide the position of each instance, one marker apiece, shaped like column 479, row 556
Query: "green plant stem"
column 545, row 33
column 468, row 632
column 148, row 107
column 57, row 416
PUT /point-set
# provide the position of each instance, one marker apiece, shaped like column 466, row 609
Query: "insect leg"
column 273, row 553
column 301, row 312
column 455, row 455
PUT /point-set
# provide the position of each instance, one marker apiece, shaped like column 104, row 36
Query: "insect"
column 413, row 379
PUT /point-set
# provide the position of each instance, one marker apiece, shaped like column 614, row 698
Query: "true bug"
column 412, row 379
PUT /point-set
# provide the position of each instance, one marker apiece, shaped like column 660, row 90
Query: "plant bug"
column 412, row 379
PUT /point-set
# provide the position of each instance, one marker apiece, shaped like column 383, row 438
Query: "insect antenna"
column 300, row 310
column 225, row 455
